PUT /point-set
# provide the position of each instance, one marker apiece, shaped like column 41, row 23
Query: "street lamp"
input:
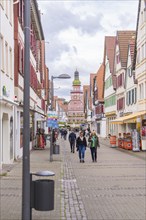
column 61, row 76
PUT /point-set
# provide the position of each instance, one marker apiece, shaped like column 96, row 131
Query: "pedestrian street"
column 114, row 188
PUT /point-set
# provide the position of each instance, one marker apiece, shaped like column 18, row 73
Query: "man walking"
column 72, row 140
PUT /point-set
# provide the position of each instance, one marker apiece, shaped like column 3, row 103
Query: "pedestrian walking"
column 65, row 134
column 72, row 141
column 81, row 145
column 94, row 143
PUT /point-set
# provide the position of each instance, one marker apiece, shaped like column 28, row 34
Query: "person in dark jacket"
column 72, row 141
column 81, row 145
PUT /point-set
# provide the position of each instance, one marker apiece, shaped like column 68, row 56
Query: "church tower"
column 75, row 106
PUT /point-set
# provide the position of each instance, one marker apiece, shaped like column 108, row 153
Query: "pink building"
column 75, row 105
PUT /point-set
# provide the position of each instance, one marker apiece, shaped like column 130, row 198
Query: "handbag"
column 89, row 144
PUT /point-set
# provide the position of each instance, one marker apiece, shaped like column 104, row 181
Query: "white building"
column 109, row 84
column 6, row 83
column 139, row 67
column 120, row 65
column 130, row 89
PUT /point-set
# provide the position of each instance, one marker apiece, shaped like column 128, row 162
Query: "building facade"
column 38, row 74
column 109, row 84
column 6, row 83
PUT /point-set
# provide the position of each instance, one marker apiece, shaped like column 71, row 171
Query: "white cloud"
column 76, row 30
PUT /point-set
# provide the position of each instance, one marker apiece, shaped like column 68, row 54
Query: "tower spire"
column 76, row 78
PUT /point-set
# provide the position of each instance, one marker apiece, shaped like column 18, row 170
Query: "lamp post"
column 61, row 76
column 26, row 134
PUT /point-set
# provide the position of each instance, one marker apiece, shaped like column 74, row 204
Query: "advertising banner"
column 52, row 121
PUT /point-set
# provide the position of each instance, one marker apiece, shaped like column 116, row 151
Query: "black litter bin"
column 56, row 149
column 44, row 195
column 42, row 192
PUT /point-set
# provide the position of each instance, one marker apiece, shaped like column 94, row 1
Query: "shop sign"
column 52, row 121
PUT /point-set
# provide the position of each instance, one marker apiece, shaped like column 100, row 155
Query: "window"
column 6, row 58
column 21, row 59
column 138, row 55
column 142, row 51
column 141, row 91
column 2, row 52
column 10, row 10
column 7, row 5
column 135, row 95
column 129, row 72
column 132, row 96
column 117, row 58
column 120, row 103
column 10, row 63
column 127, row 98
column 142, row 17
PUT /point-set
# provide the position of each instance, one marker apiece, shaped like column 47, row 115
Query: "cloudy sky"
column 75, row 30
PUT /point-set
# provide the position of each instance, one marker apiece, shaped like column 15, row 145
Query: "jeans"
column 72, row 146
column 81, row 152
column 93, row 153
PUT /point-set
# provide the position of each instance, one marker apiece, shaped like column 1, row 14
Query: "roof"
column 109, row 50
column 110, row 43
column 92, row 76
column 123, row 38
column 132, row 47
column 100, row 82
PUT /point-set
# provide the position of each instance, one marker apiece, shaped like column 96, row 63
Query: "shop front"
column 133, row 138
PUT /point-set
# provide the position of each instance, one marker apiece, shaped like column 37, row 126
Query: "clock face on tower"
column 75, row 96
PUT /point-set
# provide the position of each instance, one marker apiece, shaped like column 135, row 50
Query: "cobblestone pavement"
column 114, row 188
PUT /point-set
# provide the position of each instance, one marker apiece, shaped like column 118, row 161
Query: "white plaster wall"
column 7, row 32
column 103, row 128
column 141, row 66
column 129, row 85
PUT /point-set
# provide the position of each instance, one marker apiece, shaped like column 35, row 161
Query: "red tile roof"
column 109, row 50
column 123, row 38
column 100, row 82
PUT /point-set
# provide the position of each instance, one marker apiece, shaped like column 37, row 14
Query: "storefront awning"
column 129, row 118
column 119, row 120
column 132, row 117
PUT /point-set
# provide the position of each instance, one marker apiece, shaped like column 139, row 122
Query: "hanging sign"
column 52, row 121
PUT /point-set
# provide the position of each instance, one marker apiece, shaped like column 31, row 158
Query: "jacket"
column 95, row 142
column 80, row 142
column 72, row 137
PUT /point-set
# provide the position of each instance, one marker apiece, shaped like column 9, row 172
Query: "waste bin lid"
column 44, row 173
